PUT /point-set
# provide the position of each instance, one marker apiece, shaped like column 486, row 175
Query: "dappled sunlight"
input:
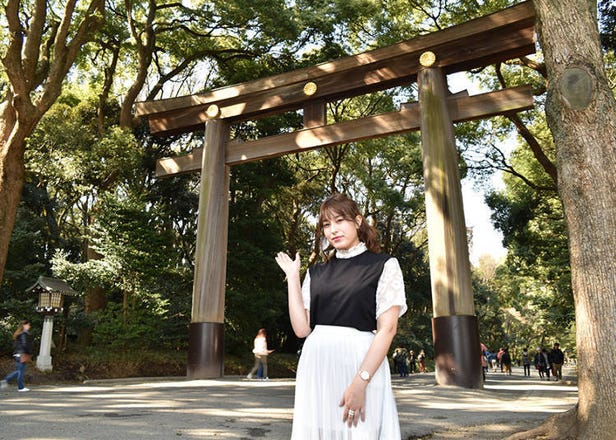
column 234, row 407
column 73, row 389
column 214, row 433
column 503, row 400
column 212, row 383
column 495, row 405
column 246, row 413
column 533, row 387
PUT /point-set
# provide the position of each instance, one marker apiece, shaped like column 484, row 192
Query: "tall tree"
column 39, row 48
column 581, row 114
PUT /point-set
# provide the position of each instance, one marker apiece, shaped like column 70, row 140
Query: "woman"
column 347, row 309
column 22, row 355
column 540, row 363
column 261, row 352
column 506, row 361
column 399, row 357
column 422, row 361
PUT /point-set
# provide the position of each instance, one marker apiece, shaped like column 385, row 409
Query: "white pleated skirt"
column 330, row 359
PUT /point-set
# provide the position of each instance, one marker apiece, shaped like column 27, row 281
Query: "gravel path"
column 236, row 408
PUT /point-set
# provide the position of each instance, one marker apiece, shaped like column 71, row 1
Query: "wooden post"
column 454, row 326
column 314, row 115
column 206, row 333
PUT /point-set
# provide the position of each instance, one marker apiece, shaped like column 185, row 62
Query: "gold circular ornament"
column 310, row 88
column 427, row 59
column 212, row 111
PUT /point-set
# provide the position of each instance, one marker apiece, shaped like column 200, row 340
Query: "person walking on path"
column 412, row 361
column 540, row 362
column 506, row 361
column 347, row 309
column 421, row 357
column 499, row 356
column 400, row 361
column 261, row 353
column 558, row 358
column 548, row 362
column 526, row 362
column 22, row 354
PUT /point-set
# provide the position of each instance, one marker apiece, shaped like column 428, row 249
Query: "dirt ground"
column 507, row 405
column 237, row 408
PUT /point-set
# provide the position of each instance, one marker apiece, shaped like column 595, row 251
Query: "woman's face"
column 340, row 232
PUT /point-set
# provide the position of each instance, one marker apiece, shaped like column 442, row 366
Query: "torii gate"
column 426, row 59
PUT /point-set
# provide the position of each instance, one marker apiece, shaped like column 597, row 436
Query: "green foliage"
column 255, row 294
column 489, row 311
column 535, row 280
column 29, row 248
column 607, row 20
column 140, row 332
column 136, row 269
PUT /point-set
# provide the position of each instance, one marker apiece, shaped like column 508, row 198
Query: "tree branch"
column 145, row 50
column 508, row 168
column 12, row 58
column 33, row 43
column 65, row 54
column 548, row 166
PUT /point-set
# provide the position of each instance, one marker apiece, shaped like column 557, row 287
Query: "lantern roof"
column 52, row 285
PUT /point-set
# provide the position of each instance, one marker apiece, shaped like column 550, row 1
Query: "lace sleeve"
column 390, row 290
column 306, row 291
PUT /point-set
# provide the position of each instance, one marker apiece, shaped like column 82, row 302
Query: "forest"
column 93, row 213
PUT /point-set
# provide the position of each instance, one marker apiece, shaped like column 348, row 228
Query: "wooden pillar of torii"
column 494, row 38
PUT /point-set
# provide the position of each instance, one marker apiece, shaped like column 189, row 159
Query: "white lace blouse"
column 390, row 289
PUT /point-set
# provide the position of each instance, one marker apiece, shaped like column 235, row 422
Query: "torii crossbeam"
column 427, row 59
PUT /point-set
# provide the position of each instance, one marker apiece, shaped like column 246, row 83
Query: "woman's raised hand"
column 288, row 265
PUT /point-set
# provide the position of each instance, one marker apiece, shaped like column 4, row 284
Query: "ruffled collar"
column 353, row 252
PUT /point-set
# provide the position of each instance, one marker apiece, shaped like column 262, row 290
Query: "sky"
column 486, row 240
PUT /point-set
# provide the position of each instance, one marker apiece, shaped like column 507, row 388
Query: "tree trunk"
column 12, row 172
column 145, row 41
column 581, row 113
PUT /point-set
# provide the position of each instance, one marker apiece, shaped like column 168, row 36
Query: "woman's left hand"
column 353, row 401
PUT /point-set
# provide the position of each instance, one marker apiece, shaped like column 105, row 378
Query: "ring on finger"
column 351, row 412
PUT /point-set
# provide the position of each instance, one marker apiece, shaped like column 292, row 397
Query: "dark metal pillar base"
column 205, row 350
column 457, row 354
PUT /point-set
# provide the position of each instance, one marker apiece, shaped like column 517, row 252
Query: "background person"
column 261, row 352
column 506, row 361
column 347, row 309
column 412, row 360
column 540, row 362
column 22, row 354
column 558, row 358
column 400, row 361
column 526, row 362
column 421, row 358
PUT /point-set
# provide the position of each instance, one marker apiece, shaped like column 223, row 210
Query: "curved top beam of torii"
column 497, row 37
column 486, row 40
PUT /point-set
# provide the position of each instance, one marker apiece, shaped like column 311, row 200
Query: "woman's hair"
column 340, row 205
column 20, row 329
column 262, row 332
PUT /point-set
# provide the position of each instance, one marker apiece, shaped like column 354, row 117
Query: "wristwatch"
column 364, row 375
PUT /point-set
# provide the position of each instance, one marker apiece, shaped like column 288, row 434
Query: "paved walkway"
column 236, row 408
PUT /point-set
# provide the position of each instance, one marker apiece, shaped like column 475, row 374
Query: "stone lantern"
column 51, row 294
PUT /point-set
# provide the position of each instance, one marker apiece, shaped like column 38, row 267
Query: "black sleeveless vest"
column 343, row 291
